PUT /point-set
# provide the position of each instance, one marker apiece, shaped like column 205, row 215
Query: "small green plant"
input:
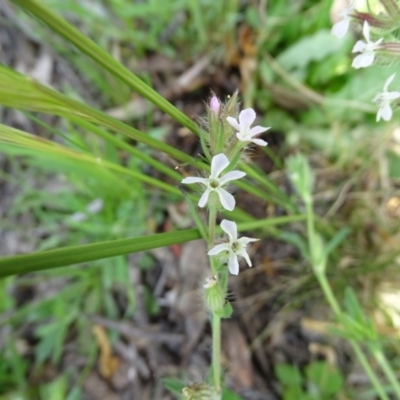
column 320, row 381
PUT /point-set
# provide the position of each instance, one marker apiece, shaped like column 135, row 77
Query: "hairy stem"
column 216, row 352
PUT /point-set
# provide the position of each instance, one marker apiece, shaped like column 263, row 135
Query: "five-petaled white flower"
column 244, row 132
column 340, row 28
column 214, row 183
column 367, row 49
column 384, row 99
column 236, row 247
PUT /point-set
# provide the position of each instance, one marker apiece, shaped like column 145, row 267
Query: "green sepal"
column 227, row 311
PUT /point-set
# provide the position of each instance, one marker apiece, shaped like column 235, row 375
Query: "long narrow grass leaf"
column 87, row 46
column 61, row 257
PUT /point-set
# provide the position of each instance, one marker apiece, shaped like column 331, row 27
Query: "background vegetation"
column 72, row 175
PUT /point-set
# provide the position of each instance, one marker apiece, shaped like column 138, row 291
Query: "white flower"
column 367, row 50
column 384, row 99
column 236, row 247
column 214, row 183
column 340, row 28
column 244, row 132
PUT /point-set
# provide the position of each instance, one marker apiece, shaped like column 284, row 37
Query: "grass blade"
column 62, row 257
column 87, row 46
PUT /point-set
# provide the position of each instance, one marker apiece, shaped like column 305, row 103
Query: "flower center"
column 235, row 247
column 214, row 183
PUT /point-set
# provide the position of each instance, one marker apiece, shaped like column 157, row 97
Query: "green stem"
column 216, row 351
column 387, row 369
column 368, row 370
column 333, row 303
column 216, row 319
column 211, row 226
column 329, row 296
column 310, row 228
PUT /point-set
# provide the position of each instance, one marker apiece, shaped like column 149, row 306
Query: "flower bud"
column 376, row 21
column 214, row 295
column 215, row 105
column 199, row 391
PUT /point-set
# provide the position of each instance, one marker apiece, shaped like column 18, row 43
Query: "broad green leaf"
column 325, row 377
column 308, row 49
column 288, row 375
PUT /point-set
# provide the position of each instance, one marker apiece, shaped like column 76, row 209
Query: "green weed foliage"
column 303, row 86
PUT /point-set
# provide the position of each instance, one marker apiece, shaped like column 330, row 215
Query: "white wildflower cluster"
column 215, row 193
column 366, row 51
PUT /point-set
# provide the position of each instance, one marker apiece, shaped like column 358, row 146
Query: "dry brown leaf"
column 327, row 352
column 238, row 356
column 107, row 363
column 393, row 207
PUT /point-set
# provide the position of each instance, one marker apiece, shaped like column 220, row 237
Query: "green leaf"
column 288, row 375
column 55, row 390
column 327, row 379
column 296, row 240
column 226, row 311
column 353, row 306
column 75, row 394
column 336, row 240
column 311, row 48
column 77, row 254
column 229, row 395
column 173, row 385
column 87, row 46
column 301, row 175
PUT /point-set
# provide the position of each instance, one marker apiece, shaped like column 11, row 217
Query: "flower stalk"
column 229, row 134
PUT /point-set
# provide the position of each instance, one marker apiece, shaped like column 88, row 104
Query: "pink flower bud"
column 215, row 105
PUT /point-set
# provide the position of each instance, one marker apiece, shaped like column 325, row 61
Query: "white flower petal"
column 340, row 28
column 233, row 122
column 233, row 263
column 230, row 228
column 219, row 248
column 242, row 137
column 379, row 115
column 226, row 199
column 359, row 47
column 246, row 117
column 244, row 240
column 259, row 142
column 231, row 176
column 193, row 179
column 363, row 60
column 367, row 59
column 390, row 96
column 366, row 31
column 388, row 82
column 204, row 198
column 257, row 130
column 218, row 164
column 386, row 112
column 243, row 253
